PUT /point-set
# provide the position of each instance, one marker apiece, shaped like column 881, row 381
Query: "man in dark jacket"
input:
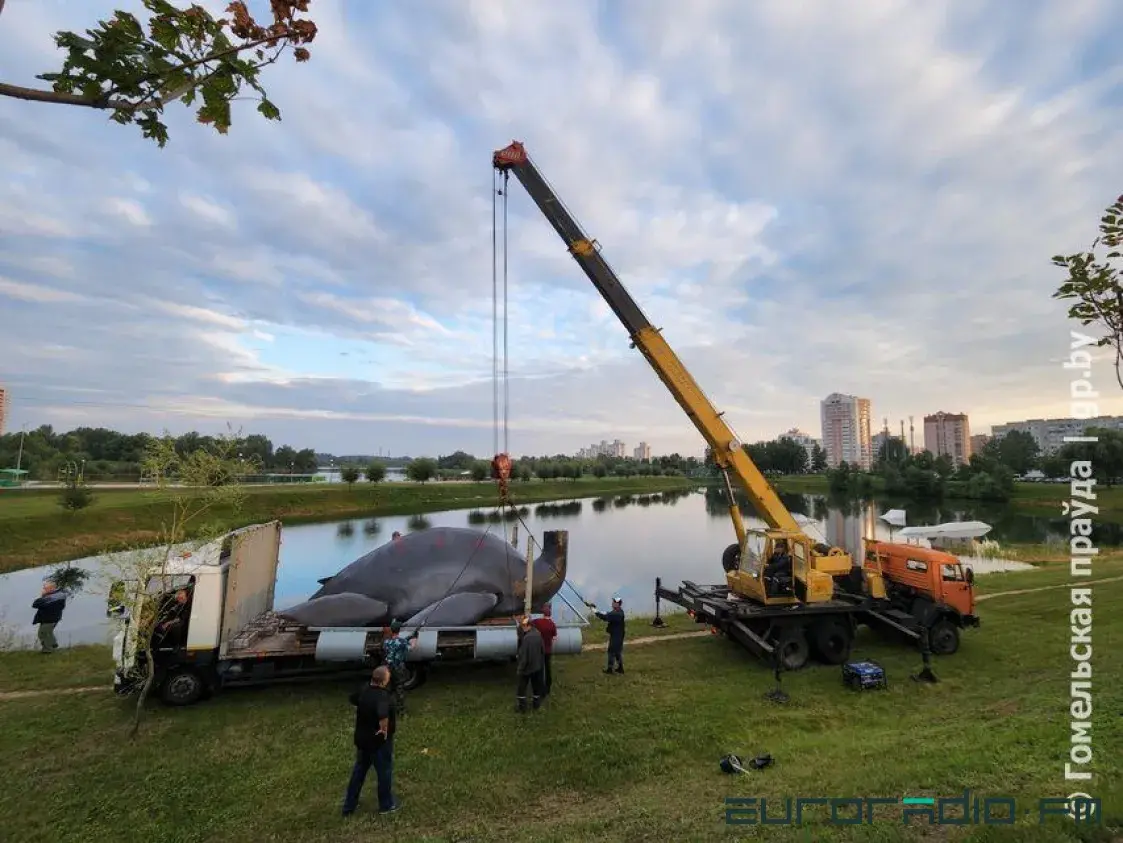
column 375, row 725
column 48, row 612
column 614, row 620
column 531, row 660
column 549, row 631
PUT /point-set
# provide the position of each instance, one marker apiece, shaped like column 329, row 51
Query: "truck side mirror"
column 970, row 576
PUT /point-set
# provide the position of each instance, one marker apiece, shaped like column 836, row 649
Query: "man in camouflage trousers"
column 394, row 651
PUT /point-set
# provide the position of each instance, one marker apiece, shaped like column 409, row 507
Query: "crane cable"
column 505, row 500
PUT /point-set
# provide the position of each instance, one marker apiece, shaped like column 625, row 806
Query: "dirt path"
column 19, row 695
column 1082, row 583
column 631, row 642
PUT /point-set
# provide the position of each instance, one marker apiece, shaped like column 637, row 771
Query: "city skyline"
column 327, row 279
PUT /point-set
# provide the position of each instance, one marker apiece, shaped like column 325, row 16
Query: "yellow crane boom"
column 727, row 451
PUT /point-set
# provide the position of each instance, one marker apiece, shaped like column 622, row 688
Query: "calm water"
column 617, row 546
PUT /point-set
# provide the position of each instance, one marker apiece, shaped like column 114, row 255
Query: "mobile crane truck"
column 786, row 596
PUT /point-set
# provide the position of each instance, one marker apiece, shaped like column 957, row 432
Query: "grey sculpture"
column 445, row 576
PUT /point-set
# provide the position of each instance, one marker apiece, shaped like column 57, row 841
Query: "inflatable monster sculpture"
column 444, row 576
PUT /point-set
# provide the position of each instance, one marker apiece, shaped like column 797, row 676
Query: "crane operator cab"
column 782, row 567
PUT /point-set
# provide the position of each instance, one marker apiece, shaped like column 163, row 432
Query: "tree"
column 376, row 472
column 818, row 458
column 421, row 469
column 1095, row 283
column 1017, row 450
column 207, row 482
column 349, row 475
column 75, row 494
column 185, row 54
column 480, row 471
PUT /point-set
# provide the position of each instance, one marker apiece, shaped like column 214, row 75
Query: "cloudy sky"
column 805, row 200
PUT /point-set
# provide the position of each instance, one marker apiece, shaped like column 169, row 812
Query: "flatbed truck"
column 223, row 631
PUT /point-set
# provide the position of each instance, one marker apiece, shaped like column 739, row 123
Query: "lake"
column 618, row 546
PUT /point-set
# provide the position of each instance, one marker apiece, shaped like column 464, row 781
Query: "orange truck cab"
column 930, row 585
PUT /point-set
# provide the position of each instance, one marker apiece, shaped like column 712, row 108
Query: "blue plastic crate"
column 861, row 676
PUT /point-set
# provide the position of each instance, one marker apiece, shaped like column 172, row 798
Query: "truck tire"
column 793, row 649
column 831, row 640
column 415, row 676
column 181, row 687
column 943, row 637
column 731, row 558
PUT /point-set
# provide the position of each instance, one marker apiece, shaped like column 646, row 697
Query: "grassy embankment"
column 34, row 530
column 611, row 758
column 1032, row 498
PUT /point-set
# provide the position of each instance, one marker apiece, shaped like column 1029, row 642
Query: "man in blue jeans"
column 615, row 629
column 375, row 724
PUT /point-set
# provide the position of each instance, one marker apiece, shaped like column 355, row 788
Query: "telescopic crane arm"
column 725, row 447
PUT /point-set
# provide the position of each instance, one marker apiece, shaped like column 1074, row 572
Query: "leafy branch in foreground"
column 189, row 486
column 185, row 54
column 1096, row 284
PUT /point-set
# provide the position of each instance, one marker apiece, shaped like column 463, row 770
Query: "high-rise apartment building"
column 846, row 430
column 642, row 451
column 3, row 411
column 615, row 449
column 948, row 434
column 1049, row 434
column 978, row 442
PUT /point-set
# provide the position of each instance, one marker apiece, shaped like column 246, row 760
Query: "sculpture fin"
column 325, row 580
column 463, row 609
column 343, row 609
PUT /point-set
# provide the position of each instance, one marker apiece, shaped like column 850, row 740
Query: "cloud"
column 803, row 199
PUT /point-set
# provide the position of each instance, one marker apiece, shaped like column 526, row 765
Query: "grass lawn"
column 34, row 530
column 612, row 758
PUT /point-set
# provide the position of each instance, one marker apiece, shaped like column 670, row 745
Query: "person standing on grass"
column 394, row 652
column 530, row 661
column 549, row 631
column 615, row 629
column 48, row 612
column 375, row 725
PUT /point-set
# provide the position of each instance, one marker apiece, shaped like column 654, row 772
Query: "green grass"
column 34, row 530
column 612, row 758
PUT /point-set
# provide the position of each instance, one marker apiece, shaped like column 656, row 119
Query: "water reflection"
column 618, row 544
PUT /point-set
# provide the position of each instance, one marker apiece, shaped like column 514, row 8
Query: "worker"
column 375, row 725
column 394, row 651
column 615, row 629
column 779, row 568
column 48, row 608
column 549, row 631
column 530, row 661
column 170, row 628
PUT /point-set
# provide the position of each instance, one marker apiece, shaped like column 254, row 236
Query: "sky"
column 805, row 200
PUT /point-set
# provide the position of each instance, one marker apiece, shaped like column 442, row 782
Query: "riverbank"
column 1034, row 498
column 35, row 531
column 610, row 758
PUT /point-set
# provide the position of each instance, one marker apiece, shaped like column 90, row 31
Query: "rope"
column 463, row 570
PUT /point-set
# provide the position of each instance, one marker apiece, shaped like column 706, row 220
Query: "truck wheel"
column 415, row 676
column 943, row 638
column 831, row 639
column 793, row 649
column 731, row 558
column 182, row 687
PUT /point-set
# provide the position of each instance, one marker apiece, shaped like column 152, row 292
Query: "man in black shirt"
column 375, row 724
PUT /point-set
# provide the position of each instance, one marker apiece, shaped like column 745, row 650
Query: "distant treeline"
column 102, row 454
column 989, row 474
